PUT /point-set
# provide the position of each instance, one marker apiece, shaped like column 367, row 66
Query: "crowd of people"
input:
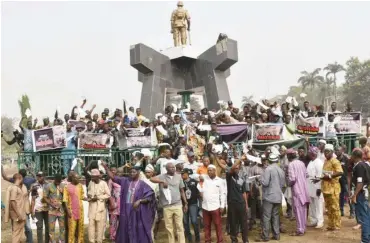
column 189, row 190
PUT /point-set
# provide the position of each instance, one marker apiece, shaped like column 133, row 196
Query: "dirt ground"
column 345, row 235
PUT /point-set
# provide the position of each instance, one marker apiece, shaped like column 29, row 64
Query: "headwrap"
column 149, row 168
column 329, row 147
column 313, row 150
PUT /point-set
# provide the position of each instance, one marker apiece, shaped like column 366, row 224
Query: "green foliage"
column 312, row 79
column 332, row 70
column 246, row 100
column 7, row 131
column 24, row 104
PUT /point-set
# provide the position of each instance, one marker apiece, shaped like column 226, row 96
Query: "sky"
column 59, row 52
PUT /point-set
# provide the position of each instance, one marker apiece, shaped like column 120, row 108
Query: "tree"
column 324, row 91
column 357, row 85
column 332, row 70
column 247, row 100
column 24, row 104
column 311, row 79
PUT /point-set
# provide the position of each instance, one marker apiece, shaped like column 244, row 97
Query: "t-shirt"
column 55, row 195
column 236, row 186
column 359, row 174
column 191, row 191
column 27, row 181
column 174, row 185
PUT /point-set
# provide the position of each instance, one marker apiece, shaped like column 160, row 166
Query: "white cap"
column 329, row 147
column 211, row 166
column 322, row 141
column 273, row 157
column 149, row 168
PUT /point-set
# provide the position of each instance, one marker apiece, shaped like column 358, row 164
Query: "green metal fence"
column 51, row 162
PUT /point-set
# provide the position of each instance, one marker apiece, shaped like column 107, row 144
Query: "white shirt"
column 194, row 167
column 214, row 193
column 154, row 186
column 314, row 169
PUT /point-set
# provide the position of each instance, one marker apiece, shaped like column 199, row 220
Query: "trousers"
column 191, row 216
column 215, row 217
column 238, row 217
column 171, row 215
column 96, row 230
column 42, row 218
column 316, row 210
column 363, row 211
column 332, row 205
column 271, row 217
column 52, row 220
column 18, row 231
column 28, row 230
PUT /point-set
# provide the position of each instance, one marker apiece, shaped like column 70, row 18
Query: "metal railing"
column 52, row 162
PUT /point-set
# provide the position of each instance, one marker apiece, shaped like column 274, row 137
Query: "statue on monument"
column 180, row 23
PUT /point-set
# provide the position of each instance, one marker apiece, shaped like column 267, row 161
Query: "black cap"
column 187, row 171
column 230, row 102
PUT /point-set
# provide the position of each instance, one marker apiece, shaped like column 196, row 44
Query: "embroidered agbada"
column 135, row 224
column 297, row 175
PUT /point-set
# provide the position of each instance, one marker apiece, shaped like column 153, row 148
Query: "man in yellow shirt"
column 330, row 187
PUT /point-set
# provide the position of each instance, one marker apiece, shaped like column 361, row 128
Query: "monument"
column 179, row 70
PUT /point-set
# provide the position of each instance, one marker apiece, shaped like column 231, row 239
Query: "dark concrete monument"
column 178, row 69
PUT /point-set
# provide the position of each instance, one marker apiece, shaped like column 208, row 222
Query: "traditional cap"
column 313, row 150
column 40, row 173
column 322, row 141
column 149, row 168
column 178, row 162
column 329, row 147
column 212, row 166
column 95, row 172
column 283, row 148
column 290, row 151
column 273, row 157
column 191, row 154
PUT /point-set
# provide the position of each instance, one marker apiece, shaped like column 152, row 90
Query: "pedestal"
column 182, row 69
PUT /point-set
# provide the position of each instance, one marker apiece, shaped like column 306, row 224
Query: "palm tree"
column 311, row 79
column 333, row 69
column 247, row 100
column 324, row 91
column 24, row 104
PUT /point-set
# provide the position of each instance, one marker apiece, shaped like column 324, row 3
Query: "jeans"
column 192, row 213
column 343, row 194
column 363, row 214
column 42, row 218
column 28, row 230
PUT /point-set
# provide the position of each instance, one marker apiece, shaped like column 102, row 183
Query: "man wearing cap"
column 192, row 195
column 98, row 194
column 39, row 208
column 314, row 171
column 192, row 165
column 330, row 187
column 272, row 180
column 213, row 194
column 321, row 146
column 297, row 180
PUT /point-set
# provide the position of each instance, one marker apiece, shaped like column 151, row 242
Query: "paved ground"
column 345, row 235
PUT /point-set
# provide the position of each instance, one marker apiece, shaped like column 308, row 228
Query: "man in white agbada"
column 321, row 146
column 98, row 194
column 314, row 171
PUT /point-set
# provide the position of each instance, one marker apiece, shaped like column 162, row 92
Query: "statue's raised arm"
column 180, row 23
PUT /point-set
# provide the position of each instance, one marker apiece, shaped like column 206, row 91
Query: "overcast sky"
column 57, row 52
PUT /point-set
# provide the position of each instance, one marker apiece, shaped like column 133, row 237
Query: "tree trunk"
column 335, row 87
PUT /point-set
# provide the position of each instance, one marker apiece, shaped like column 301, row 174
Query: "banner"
column 49, row 138
column 94, row 141
column 195, row 141
column 349, row 122
column 267, row 132
column 234, row 133
column 311, row 126
column 77, row 124
column 139, row 137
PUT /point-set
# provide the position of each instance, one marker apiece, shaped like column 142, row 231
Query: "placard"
column 49, row 138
